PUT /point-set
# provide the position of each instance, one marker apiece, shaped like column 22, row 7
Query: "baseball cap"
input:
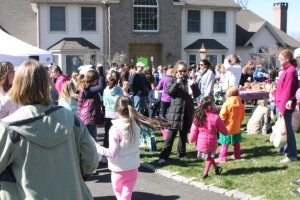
column 140, row 64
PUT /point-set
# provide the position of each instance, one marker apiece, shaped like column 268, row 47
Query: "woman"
column 286, row 88
column 165, row 100
column 180, row 115
column 59, row 77
column 232, row 65
column 46, row 150
column 7, row 74
column 206, row 80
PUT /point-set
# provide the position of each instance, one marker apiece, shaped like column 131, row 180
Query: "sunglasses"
column 201, row 64
column 180, row 71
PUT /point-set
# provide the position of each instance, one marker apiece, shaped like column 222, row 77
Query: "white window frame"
column 146, row 6
column 65, row 19
column 187, row 20
column 225, row 26
column 195, row 61
column 82, row 18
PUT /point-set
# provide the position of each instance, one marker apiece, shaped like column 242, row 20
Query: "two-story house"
column 159, row 31
column 211, row 23
column 73, row 30
column 257, row 38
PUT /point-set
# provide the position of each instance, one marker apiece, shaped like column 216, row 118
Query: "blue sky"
column 264, row 9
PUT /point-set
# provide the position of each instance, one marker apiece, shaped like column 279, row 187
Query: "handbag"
column 147, row 139
column 157, row 94
column 279, row 134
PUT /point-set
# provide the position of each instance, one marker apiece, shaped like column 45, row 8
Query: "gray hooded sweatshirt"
column 47, row 158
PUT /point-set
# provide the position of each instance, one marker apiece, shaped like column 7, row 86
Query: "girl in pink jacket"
column 204, row 133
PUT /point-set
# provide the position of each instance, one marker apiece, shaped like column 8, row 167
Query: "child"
column 232, row 113
column 123, row 152
column 89, row 102
column 154, row 102
column 67, row 97
column 259, row 120
column 204, row 133
column 272, row 95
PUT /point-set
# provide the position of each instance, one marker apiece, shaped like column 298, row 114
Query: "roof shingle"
column 208, row 43
column 73, row 43
column 213, row 3
column 248, row 23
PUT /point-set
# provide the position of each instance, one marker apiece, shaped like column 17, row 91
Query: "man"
column 180, row 115
column 138, row 87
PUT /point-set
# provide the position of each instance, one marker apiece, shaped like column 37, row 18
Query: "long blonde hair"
column 67, row 92
column 31, row 84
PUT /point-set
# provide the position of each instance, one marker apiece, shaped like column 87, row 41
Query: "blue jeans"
column 139, row 103
column 291, row 139
column 92, row 130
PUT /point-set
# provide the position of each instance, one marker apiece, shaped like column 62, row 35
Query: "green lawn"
column 258, row 173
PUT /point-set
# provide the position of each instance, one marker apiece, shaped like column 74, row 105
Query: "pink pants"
column 224, row 150
column 123, row 183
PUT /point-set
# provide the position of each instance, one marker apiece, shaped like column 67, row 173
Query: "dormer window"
column 145, row 14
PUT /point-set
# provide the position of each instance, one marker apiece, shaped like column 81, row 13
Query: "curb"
column 191, row 181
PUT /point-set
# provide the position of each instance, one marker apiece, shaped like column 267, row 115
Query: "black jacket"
column 180, row 115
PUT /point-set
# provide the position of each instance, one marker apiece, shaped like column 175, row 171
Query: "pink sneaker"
column 234, row 158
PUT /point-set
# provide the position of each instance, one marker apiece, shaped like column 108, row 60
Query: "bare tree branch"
column 242, row 3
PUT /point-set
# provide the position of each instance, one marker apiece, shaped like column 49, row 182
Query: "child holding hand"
column 204, row 133
column 232, row 113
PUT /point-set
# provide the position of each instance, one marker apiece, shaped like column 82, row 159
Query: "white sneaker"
column 295, row 192
column 295, row 183
column 287, row 160
column 161, row 161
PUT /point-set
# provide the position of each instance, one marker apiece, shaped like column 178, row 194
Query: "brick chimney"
column 280, row 15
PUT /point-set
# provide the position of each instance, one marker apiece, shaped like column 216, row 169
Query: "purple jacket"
column 162, row 85
column 286, row 87
column 89, row 109
column 205, row 137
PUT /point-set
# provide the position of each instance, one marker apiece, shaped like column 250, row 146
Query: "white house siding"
column 227, row 39
column 73, row 29
column 263, row 38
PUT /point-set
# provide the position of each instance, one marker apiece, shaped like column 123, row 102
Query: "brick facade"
column 168, row 38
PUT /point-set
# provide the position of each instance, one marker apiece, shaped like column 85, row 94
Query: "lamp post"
column 202, row 52
column 152, row 61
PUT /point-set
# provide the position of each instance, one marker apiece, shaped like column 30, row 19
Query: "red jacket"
column 205, row 137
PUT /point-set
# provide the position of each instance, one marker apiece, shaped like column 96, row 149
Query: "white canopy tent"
column 17, row 51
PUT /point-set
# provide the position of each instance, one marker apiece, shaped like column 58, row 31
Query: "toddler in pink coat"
column 204, row 133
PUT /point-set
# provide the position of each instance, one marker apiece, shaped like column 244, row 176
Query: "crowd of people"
column 181, row 98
